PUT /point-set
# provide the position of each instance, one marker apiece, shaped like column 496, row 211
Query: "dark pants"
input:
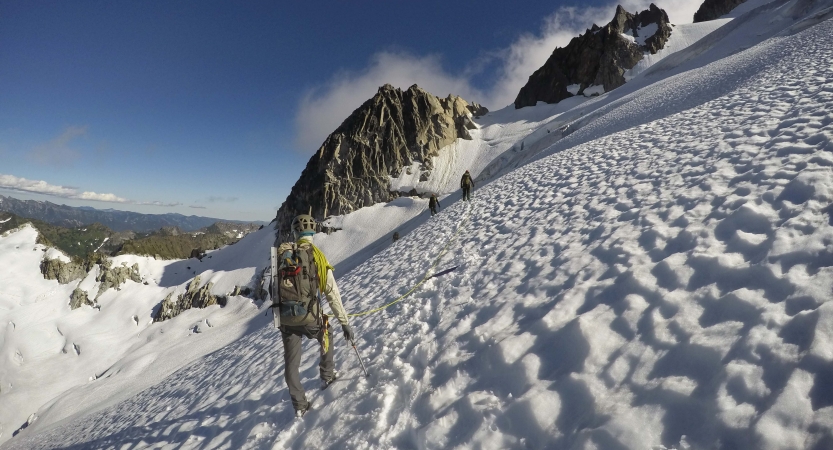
column 292, row 346
column 433, row 210
column 466, row 193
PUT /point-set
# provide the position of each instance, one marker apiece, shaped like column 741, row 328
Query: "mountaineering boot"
column 326, row 383
column 303, row 410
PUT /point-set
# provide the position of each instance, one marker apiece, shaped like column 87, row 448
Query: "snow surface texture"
column 682, row 36
column 503, row 138
column 664, row 286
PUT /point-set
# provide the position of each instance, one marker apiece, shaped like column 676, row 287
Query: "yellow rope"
column 426, row 277
column 320, row 262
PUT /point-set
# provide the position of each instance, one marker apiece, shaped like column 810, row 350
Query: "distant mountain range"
column 84, row 241
column 68, row 216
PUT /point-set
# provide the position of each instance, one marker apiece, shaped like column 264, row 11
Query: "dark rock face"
column 599, row 57
column 713, row 9
column 379, row 140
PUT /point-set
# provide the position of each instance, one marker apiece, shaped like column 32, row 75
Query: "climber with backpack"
column 303, row 274
column 433, row 204
column 467, row 184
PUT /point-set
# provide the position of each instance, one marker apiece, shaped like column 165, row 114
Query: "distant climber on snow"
column 395, row 236
column 434, row 204
column 467, row 184
column 303, row 275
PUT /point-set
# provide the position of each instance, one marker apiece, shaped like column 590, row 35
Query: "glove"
column 348, row 333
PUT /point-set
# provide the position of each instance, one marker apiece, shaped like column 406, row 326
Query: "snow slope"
column 682, row 37
column 70, row 362
column 663, row 285
column 503, row 140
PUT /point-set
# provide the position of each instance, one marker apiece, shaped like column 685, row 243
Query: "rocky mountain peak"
column 599, row 57
column 713, row 9
column 388, row 134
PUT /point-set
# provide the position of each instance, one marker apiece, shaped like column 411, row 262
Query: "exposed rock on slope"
column 64, row 272
column 108, row 276
column 599, row 57
column 194, row 297
column 113, row 277
column 713, row 9
column 79, row 298
column 388, row 133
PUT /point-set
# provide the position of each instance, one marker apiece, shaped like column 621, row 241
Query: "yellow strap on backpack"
column 325, row 344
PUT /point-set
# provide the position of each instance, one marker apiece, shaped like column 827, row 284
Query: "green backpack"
column 297, row 286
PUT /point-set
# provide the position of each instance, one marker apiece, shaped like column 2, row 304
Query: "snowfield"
column 657, row 277
column 57, row 363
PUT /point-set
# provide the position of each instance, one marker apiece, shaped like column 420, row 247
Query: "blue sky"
column 213, row 108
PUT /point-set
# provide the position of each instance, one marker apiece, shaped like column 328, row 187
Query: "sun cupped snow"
column 662, row 286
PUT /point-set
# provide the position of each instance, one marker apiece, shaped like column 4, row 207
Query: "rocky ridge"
column 599, row 57
column 713, row 9
column 63, row 272
column 380, row 139
column 108, row 276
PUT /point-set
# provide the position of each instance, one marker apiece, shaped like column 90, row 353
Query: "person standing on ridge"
column 467, row 184
column 433, row 204
column 304, row 275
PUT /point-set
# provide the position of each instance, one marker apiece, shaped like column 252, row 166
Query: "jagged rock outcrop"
column 194, row 297
column 245, row 291
column 79, row 298
column 599, row 57
column 713, row 9
column 380, row 139
column 64, row 272
column 108, row 276
column 113, row 277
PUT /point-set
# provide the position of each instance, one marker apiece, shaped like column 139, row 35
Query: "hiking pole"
column 353, row 343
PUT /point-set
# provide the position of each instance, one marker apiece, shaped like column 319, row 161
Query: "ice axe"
column 353, row 343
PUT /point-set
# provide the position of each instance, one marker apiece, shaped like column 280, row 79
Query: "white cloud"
column 42, row 187
column 323, row 109
column 113, row 198
column 14, row 183
column 217, row 199
column 39, row 187
column 158, row 203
